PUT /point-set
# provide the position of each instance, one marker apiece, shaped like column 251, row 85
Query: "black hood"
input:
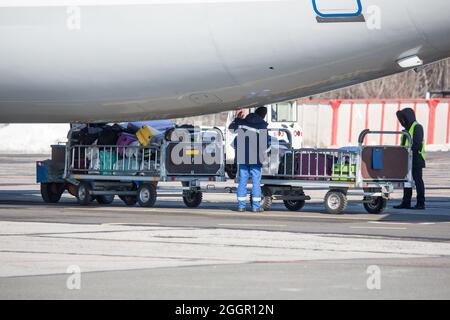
column 406, row 117
column 256, row 121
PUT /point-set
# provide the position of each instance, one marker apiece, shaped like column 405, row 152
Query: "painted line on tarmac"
column 380, row 228
column 130, row 224
column 403, row 223
column 324, row 216
column 250, row 225
column 124, row 210
column 290, row 290
column 228, row 213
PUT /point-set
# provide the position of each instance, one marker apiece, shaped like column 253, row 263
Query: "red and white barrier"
column 338, row 122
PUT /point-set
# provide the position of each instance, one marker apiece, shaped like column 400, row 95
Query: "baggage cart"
column 372, row 171
column 135, row 173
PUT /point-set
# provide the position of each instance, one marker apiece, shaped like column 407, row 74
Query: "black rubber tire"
column 147, row 195
column 266, row 198
column 377, row 206
column 84, row 194
column 52, row 192
column 105, row 199
column 129, row 200
column 266, row 202
column 193, row 199
column 294, row 205
column 336, row 202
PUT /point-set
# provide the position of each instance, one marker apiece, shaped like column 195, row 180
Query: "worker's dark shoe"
column 259, row 210
column 419, row 207
column 240, row 210
column 403, row 206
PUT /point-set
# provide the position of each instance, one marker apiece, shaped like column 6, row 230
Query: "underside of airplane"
column 117, row 60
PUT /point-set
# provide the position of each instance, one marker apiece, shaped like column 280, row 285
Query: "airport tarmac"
column 213, row 252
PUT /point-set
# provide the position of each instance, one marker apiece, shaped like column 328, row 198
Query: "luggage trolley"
column 134, row 173
column 371, row 171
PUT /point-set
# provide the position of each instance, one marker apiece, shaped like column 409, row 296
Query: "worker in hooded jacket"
column 407, row 119
column 250, row 144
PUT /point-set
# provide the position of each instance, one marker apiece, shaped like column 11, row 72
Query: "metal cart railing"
column 341, row 171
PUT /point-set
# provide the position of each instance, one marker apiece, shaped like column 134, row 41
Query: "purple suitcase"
column 313, row 164
column 125, row 139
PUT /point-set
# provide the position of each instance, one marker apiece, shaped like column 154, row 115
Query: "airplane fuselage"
column 112, row 60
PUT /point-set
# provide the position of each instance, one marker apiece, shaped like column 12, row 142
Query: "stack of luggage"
column 317, row 166
column 103, row 156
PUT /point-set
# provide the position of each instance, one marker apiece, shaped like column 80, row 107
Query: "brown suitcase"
column 395, row 163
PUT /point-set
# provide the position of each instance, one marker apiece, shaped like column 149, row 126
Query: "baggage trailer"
column 134, row 173
column 373, row 172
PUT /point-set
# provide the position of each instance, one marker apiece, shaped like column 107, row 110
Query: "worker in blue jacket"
column 250, row 144
column 407, row 119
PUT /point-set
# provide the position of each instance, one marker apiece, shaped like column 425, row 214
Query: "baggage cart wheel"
column 266, row 198
column 84, row 194
column 129, row 200
column 336, row 202
column 105, row 199
column 294, row 205
column 52, row 192
column 147, row 195
column 192, row 199
column 375, row 205
column 266, row 202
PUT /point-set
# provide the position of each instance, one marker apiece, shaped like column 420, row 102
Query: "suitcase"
column 86, row 136
column 343, row 172
column 394, row 162
column 124, row 140
column 109, row 136
column 193, row 154
column 314, row 164
column 307, row 165
column 107, row 162
column 145, row 134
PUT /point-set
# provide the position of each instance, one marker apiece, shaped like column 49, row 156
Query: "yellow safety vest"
column 405, row 142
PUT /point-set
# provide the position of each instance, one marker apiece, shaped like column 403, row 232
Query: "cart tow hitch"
column 231, row 189
column 387, row 190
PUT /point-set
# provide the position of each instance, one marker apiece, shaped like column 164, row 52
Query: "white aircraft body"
column 117, row 60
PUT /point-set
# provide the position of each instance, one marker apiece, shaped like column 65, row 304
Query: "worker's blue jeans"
column 246, row 171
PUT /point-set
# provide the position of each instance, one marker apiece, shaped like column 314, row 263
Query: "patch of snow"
column 437, row 147
column 31, row 138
